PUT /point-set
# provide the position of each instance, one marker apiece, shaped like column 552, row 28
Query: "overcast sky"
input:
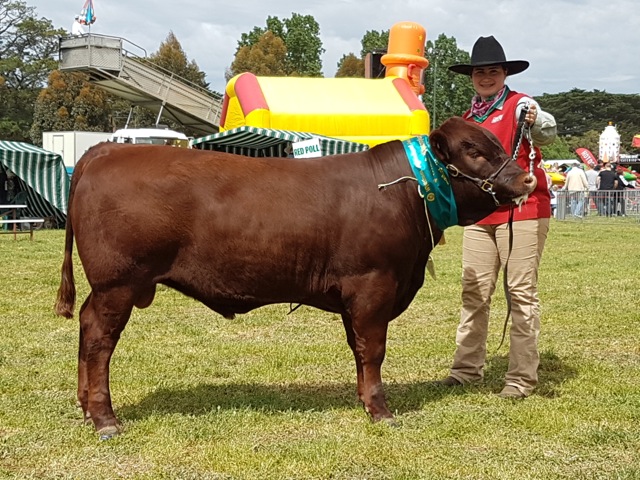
column 586, row 44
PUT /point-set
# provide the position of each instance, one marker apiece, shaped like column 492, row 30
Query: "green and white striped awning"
column 42, row 175
column 266, row 142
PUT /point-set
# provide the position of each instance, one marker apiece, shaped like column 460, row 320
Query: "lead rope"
column 521, row 132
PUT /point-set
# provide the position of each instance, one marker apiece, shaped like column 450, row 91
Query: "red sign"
column 587, row 157
column 636, row 141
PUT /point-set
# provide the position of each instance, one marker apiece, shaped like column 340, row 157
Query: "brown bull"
column 237, row 233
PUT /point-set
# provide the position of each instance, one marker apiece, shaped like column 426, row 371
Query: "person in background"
column 486, row 245
column 577, row 186
column 77, row 29
column 554, row 199
column 592, row 176
column 620, row 206
column 4, row 198
column 607, row 182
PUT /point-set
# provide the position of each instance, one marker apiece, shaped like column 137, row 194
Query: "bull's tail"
column 66, row 300
column 67, row 291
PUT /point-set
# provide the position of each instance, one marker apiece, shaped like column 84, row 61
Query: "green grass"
column 272, row 396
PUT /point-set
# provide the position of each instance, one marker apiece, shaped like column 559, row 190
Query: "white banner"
column 307, row 148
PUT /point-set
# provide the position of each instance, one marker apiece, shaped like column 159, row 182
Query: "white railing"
column 574, row 205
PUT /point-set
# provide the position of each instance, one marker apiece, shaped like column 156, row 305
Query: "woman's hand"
column 531, row 116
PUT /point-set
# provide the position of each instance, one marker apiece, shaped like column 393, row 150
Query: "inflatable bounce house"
column 360, row 110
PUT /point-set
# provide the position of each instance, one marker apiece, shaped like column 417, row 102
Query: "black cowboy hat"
column 487, row 51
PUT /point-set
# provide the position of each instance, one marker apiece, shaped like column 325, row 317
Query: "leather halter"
column 486, row 185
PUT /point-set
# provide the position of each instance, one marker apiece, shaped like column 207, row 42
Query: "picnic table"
column 10, row 215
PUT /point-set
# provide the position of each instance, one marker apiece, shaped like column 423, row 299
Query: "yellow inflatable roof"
column 355, row 109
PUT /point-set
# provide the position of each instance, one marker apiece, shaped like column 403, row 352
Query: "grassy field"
column 272, row 396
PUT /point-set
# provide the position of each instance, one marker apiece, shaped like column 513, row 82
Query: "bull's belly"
column 240, row 287
column 236, row 288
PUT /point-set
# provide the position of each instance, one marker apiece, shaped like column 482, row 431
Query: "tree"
column 589, row 140
column 68, row 103
column 579, row 112
column 374, row 41
column 304, row 47
column 446, row 94
column 301, row 37
column 558, row 150
column 267, row 57
column 350, row 66
column 171, row 57
column 27, row 46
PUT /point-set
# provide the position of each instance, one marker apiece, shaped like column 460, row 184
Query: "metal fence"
column 603, row 204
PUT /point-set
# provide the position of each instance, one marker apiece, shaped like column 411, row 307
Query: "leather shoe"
column 450, row 382
column 511, row 393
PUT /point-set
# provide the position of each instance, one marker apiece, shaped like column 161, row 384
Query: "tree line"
column 35, row 96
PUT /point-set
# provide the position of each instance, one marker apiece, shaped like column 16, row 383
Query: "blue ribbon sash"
column 433, row 180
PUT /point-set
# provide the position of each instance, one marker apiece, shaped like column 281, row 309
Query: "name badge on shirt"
column 497, row 119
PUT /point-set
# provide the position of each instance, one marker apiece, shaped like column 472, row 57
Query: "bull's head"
column 483, row 175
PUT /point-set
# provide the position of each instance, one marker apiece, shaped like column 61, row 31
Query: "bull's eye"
column 471, row 149
column 475, row 154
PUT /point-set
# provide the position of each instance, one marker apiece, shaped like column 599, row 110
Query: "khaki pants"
column 485, row 250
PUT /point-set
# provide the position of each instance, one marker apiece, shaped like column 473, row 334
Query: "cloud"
column 585, row 44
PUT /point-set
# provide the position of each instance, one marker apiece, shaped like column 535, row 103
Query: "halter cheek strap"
column 486, row 185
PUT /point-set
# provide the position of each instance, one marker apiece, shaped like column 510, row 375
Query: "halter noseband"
column 487, row 184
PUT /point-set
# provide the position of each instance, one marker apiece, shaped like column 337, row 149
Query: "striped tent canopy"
column 266, row 142
column 42, row 175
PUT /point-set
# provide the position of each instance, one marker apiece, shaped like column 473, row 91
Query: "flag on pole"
column 87, row 14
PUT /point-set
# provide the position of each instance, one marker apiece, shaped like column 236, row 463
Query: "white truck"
column 72, row 145
column 153, row 136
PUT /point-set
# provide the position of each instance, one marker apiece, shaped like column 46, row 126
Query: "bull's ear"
column 439, row 145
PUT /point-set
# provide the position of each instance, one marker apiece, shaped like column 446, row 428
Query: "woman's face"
column 488, row 81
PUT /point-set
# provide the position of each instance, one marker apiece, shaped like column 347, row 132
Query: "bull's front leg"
column 371, row 348
column 370, row 316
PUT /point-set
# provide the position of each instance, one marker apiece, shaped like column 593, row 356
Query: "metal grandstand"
column 112, row 65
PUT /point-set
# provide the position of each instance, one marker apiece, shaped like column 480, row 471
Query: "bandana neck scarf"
column 480, row 109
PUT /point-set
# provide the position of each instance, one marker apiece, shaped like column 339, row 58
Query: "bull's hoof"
column 86, row 416
column 386, row 420
column 390, row 422
column 107, row 433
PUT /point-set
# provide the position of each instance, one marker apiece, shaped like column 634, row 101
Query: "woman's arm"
column 544, row 130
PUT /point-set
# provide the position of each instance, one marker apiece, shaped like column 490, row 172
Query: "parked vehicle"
column 150, row 136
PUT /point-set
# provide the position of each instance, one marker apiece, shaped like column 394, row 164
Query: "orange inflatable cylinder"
column 405, row 54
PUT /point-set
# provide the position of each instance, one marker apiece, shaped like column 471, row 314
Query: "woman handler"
column 486, row 244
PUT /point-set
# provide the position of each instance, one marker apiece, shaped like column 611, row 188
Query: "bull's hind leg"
column 83, row 385
column 351, row 340
column 102, row 319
